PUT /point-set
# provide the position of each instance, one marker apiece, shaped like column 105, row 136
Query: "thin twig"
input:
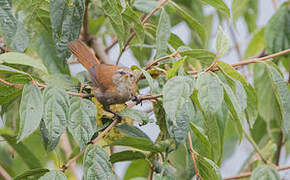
column 256, row 147
column 279, row 147
column 213, row 64
column 253, row 60
column 148, row 66
column 64, row 143
column 248, row 174
column 4, row 174
column 17, row 86
column 143, row 22
column 72, row 160
column 192, row 156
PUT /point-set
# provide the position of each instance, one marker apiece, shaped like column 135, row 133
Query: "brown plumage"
column 111, row 84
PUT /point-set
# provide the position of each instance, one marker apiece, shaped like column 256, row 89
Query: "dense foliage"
column 203, row 106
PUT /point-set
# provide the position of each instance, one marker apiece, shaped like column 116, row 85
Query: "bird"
column 112, row 84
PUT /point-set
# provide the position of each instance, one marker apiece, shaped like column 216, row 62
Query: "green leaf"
column 239, row 8
column 54, row 174
column 137, row 169
column 131, row 131
column 202, row 56
column 252, row 99
column 191, row 21
column 282, row 94
column 207, row 169
column 66, row 21
column 149, row 79
column 23, row 59
column 162, row 34
column 268, row 106
column 113, row 10
column 175, row 41
column 264, row 172
column 256, row 45
column 55, row 115
column 23, row 151
column 82, row 120
column 178, row 106
column 277, row 31
column 138, row 143
column 202, row 139
column 220, row 6
column 210, row 92
column 7, row 69
column 46, row 50
column 136, row 115
column 31, row 110
column 14, row 32
column 32, row 174
column 131, row 17
column 222, row 43
column 96, row 24
column 235, row 108
column 176, row 65
column 96, row 164
column 146, row 6
column 126, row 156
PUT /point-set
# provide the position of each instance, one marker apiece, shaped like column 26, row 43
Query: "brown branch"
column 279, row 147
column 192, row 156
column 253, row 60
column 94, row 141
column 275, row 5
column 134, row 33
column 148, row 66
column 17, row 86
column 213, row 64
column 4, row 174
column 248, row 174
column 64, row 143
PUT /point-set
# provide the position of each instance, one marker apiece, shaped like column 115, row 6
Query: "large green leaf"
column 126, row 156
column 14, row 32
column 7, row 69
column 23, row 59
column 46, row 50
column 210, row 92
column 282, row 94
column 202, row 56
column 256, row 44
column 82, row 120
column 162, row 34
column 205, row 145
column 33, row 173
column 132, row 131
column 139, row 143
column 31, row 110
column 208, row 170
column 55, row 115
column 113, row 10
column 191, row 21
column 235, row 108
column 222, row 43
column 54, row 174
column 96, row 164
column 66, row 21
column 136, row 115
column 265, row 172
column 145, row 6
column 178, row 106
column 252, row 101
column 137, row 169
column 277, row 31
column 23, row 151
column 133, row 19
column 220, row 6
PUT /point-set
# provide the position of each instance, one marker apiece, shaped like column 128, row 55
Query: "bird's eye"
column 122, row 72
column 131, row 75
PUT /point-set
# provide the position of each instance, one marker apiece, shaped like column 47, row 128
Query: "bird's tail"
column 83, row 53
